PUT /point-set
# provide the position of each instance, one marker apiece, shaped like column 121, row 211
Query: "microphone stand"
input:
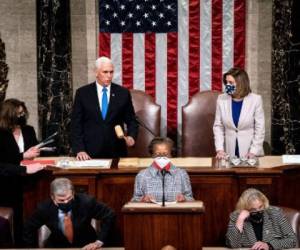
column 163, row 172
column 142, row 124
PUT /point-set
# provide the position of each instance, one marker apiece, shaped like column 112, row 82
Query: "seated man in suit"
column 68, row 216
column 148, row 182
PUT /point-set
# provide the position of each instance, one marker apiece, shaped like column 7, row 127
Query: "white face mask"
column 162, row 161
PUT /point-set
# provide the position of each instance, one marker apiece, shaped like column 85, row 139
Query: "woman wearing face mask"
column 239, row 127
column 16, row 143
column 257, row 225
column 148, row 182
column 17, row 139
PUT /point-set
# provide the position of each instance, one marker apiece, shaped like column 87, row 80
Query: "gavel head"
column 119, row 132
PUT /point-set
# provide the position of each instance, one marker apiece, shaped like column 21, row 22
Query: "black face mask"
column 65, row 207
column 21, row 120
column 256, row 217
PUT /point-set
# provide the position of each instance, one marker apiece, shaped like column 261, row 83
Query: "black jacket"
column 84, row 209
column 92, row 134
column 9, row 150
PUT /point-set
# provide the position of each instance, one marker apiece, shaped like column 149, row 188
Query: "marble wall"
column 258, row 53
column 286, row 77
column 54, row 70
column 18, row 32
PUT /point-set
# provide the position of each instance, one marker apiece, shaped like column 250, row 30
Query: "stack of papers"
column 291, row 159
column 73, row 164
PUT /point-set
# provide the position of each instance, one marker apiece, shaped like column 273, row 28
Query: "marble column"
column 3, row 71
column 286, row 77
column 54, row 70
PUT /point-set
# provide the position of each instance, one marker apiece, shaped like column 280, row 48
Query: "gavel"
column 119, row 132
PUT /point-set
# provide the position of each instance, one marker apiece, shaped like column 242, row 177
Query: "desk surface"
column 191, row 207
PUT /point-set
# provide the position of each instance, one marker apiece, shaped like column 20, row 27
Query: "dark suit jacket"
column 9, row 150
column 277, row 231
column 84, row 209
column 92, row 134
column 7, row 169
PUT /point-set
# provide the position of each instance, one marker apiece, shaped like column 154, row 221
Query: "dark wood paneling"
column 153, row 231
column 219, row 189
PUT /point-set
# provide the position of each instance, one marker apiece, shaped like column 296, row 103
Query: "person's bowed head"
column 257, row 225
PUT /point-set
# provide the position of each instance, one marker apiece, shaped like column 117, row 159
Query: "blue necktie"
column 104, row 102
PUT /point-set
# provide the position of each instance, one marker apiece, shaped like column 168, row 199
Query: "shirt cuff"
column 99, row 243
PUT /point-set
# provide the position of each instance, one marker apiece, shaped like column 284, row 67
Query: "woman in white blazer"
column 239, row 127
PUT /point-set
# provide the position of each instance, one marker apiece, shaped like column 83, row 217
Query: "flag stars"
column 153, row 23
column 122, row 23
column 130, row 15
column 107, row 6
column 138, row 23
column 153, row 7
column 138, row 7
column 122, row 7
column 169, row 23
column 169, row 7
column 107, row 22
column 161, row 15
column 115, row 15
column 146, row 15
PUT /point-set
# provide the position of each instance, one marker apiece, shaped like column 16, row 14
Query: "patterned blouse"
column 277, row 231
column 149, row 182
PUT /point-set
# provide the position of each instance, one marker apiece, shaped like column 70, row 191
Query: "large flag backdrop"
column 172, row 49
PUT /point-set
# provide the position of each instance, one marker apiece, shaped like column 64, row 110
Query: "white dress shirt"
column 100, row 93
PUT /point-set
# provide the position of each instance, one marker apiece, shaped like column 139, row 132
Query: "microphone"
column 142, row 124
column 163, row 172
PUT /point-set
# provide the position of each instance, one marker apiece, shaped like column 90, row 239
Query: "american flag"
column 172, row 49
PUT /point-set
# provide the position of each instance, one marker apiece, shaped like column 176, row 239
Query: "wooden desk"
column 150, row 226
column 218, row 188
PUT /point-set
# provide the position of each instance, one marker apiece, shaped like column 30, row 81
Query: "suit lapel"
column 244, row 111
column 248, row 228
column 229, row 110
column 267, row 228
column 95, row 101
column 112, row 101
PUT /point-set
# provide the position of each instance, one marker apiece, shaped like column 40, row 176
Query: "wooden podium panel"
column 150, row 226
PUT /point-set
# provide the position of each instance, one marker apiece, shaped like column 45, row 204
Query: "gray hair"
column 60, row 186
column 101, row 60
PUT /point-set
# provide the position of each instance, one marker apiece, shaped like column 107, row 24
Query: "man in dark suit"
column 68, row 216
column 98, row 108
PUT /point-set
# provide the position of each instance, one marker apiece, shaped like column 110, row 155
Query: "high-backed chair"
column 44, row 232
column 6, row 227
column 293, row 216
column 198, row 117
column 148, row 114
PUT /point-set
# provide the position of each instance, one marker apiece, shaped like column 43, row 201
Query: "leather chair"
column 198, row 117
column 44, row 232
column 148, row 114
column 6, row 227
column 293, row 216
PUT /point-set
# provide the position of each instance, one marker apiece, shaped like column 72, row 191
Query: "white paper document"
column 66, row 163
column 167, row 203
column 291, row 159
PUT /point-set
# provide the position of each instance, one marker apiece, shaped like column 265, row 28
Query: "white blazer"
column 250, row 132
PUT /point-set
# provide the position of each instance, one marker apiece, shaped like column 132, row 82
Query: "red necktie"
column 68, row 227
